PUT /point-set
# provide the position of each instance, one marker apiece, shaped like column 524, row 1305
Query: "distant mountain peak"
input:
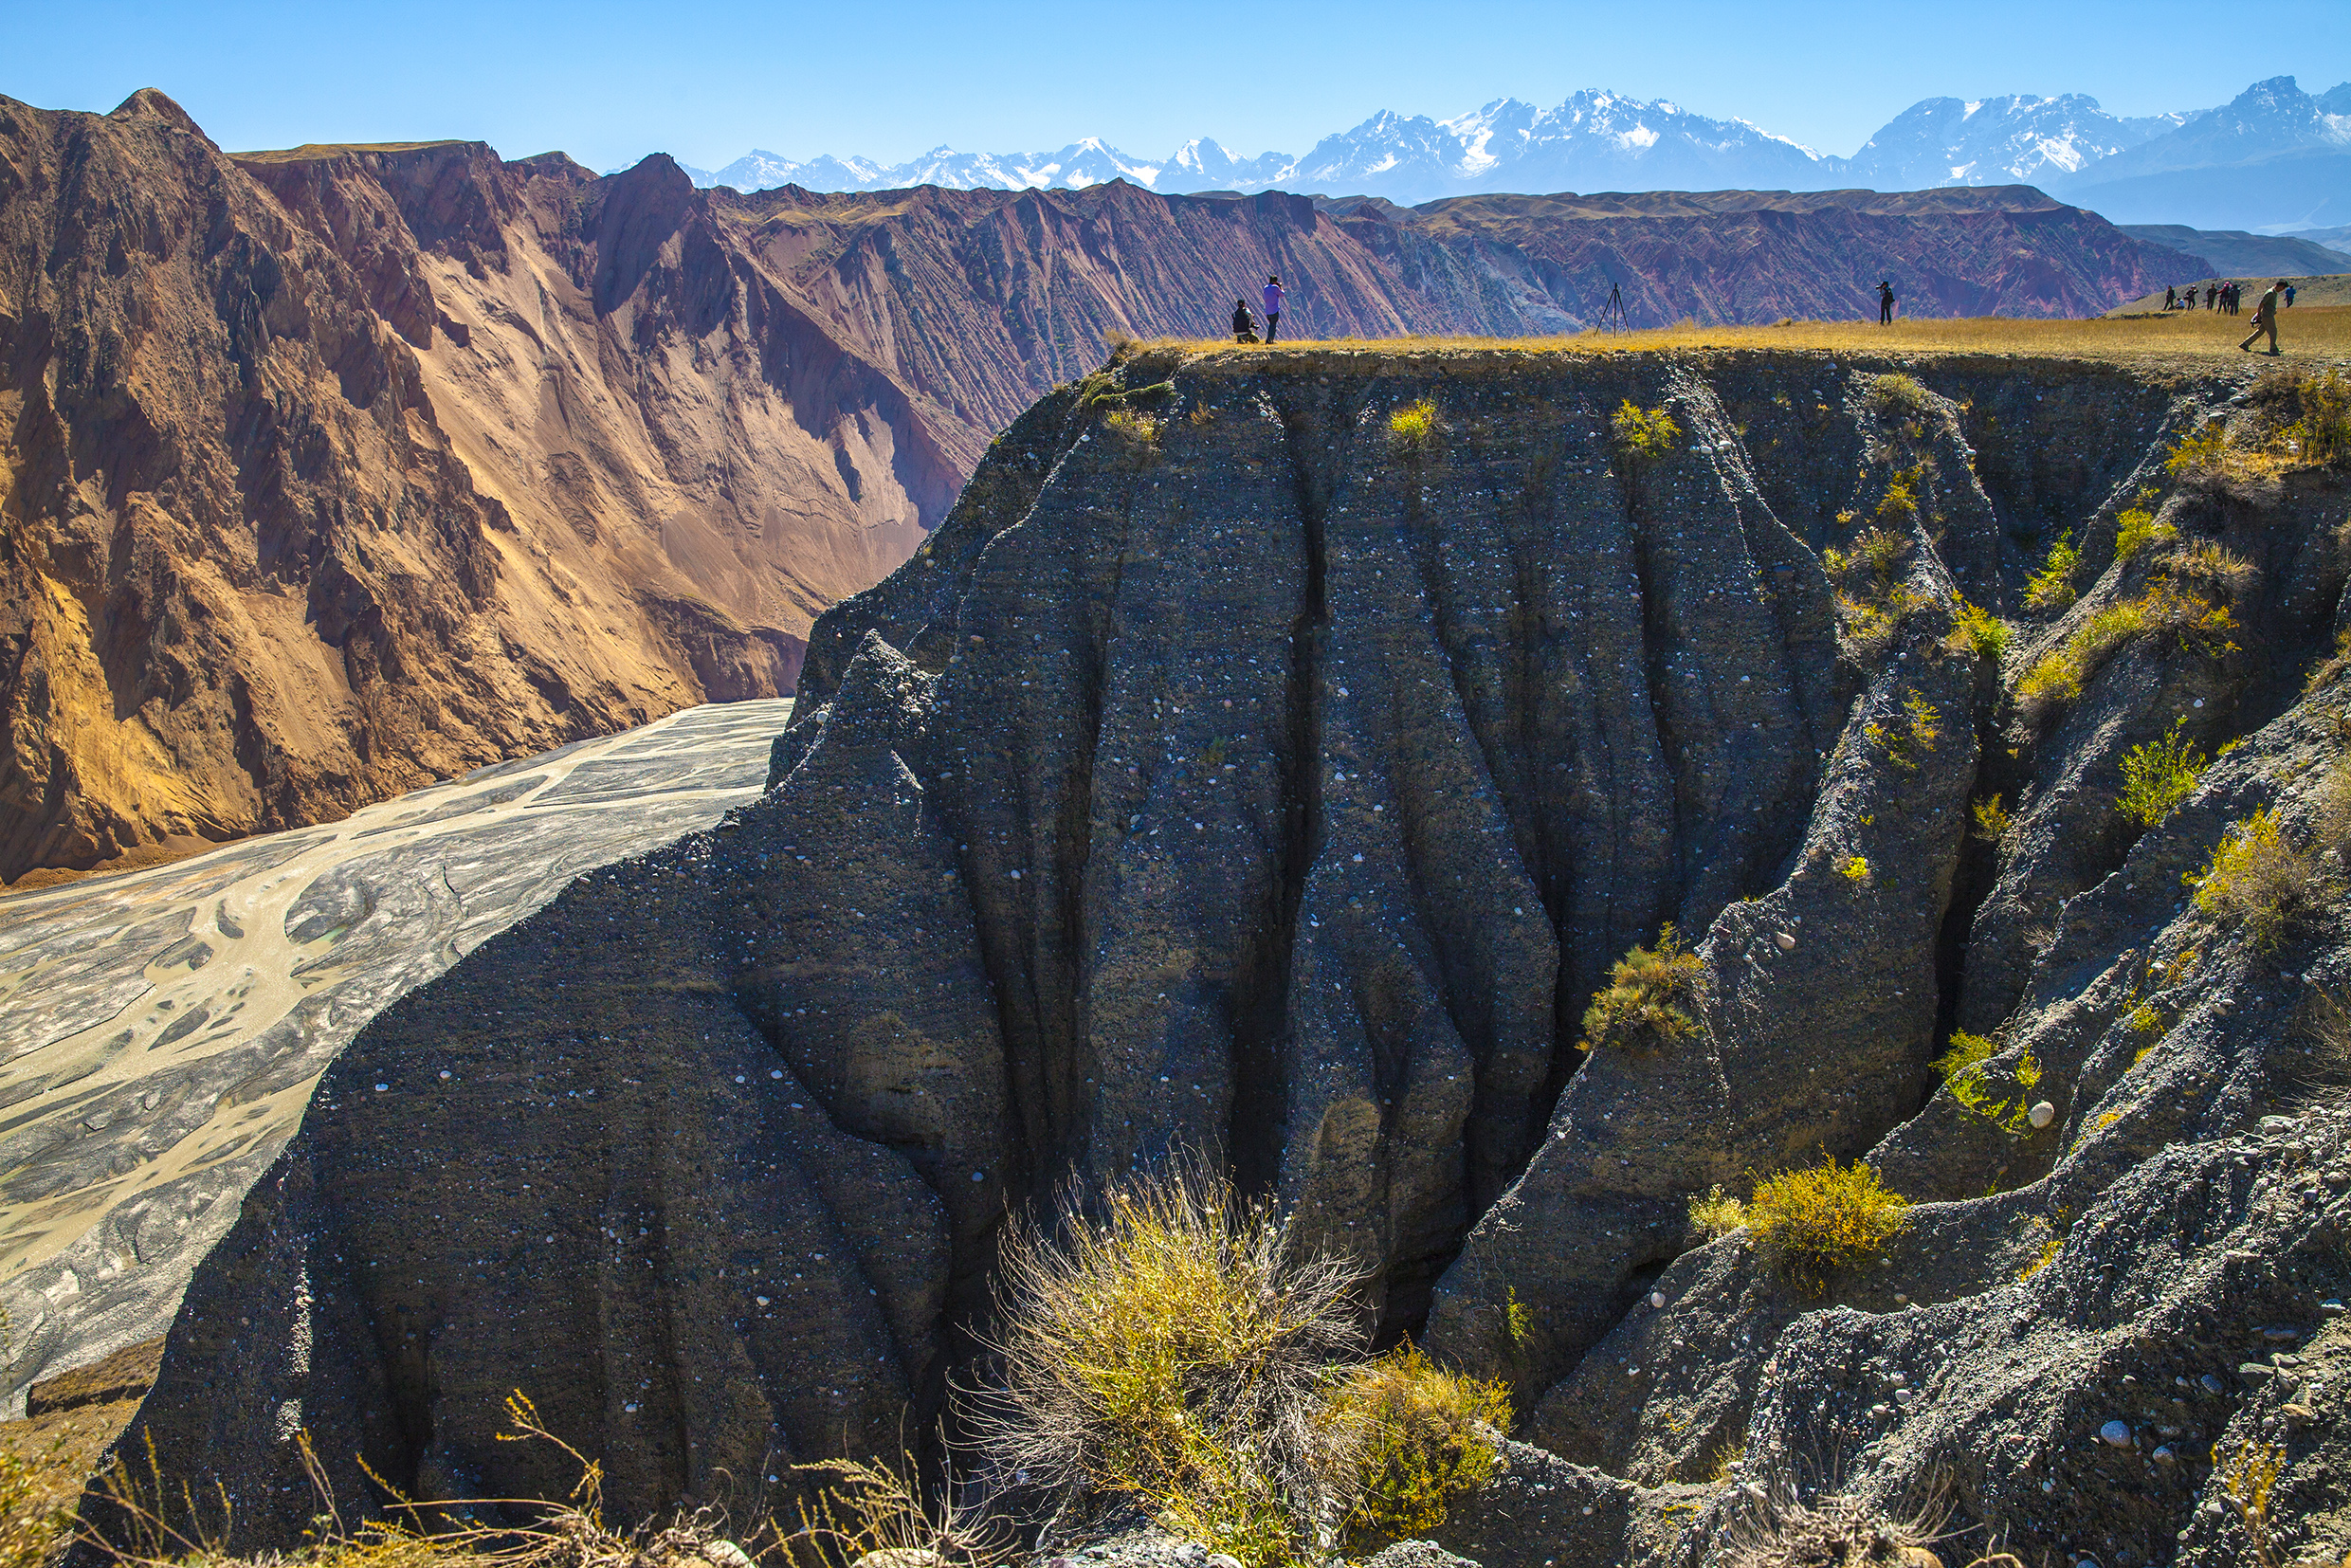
column 1596, row 138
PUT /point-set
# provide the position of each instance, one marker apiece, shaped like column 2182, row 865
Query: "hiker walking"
column 2289, row 296
column 1886, row 303
column 2171, row 297
column 2211, row 295
column 2264, row 315
column 1243, row 325
column 1274, row 306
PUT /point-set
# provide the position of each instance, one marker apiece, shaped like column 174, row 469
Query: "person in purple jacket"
column 1274, row 306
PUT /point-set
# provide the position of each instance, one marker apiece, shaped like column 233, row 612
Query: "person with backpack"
column 2289, row 296
column 1243, row 325
column 2265, row 317
column 1886, row 303
column 1274, row 306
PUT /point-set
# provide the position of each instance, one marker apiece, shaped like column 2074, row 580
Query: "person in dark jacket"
column 2211, row 295
column 1886, row 303
column 1243, row 325
column 2264, row 315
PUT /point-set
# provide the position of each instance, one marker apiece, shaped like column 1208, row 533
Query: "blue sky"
column 707, row 80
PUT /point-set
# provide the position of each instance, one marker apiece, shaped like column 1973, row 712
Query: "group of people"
column 1244, row 324
column 2222, row 296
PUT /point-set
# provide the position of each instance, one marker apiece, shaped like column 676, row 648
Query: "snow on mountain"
column 1596, row 141
column 2270, row 116
column 2015, row 140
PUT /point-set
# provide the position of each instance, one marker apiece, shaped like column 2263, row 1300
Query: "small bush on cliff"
column 2322, row 434
column 2258, row 881
column 1171, row 1346
column 1978, row 631
column 2134, row 528
column 2203, row 455
column 2194, row 620
column 1138, row 431
column 2003, row 1100
column 1412, row 428
column 2051, row 587
column 1961, row 1052
column 1992, row 819
column 1899, row 396
column 1407, row 1437
column 1807, row 1225
column 1880, row 550
column 1914, row 733
column 2158, row 775
column 1643, row 434
column 1715, row 1214
column 1645, row 1006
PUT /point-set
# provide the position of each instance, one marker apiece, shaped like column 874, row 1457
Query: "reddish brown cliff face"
column 334, row 470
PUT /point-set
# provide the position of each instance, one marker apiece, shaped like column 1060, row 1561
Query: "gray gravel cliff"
column 1240, row 767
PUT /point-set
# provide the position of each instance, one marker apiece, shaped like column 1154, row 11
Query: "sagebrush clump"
column 1808, row 1225
column 1900, row 396
column 2195, row 622
column 1168, row 1345
column 2051, row 587
column 2258, row 881
column 1646, row 1004
column 1644, row 433
column 2158, row 775
column 1715, row 1214
column 1412, row 428
column 1409, row 1436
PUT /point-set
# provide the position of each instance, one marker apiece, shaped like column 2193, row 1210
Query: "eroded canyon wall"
column 1231, row 774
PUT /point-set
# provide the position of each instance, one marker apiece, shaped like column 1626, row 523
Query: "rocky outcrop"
column 1239, row 770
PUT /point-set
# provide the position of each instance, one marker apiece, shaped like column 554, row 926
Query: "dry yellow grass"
column 2305, row 333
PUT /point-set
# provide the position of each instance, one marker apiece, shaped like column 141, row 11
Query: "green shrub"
column 2158, row 775
column 1898, row 395
column 2324, row 433
column 1139, row 432
column 2203, row 452
column 32, row 1527
column 1412, row 428
column 2006, row 1105
column 1411, row 1437
column 1992, row 819
column 2134, row 528
column 1964, row 1051
column 1807, row 1225
column 2258, row 881
column 2051, row 587
column 1980, row 631
column 1715, row 1214
column 1639, row 434
column 1645, row 1005
column 2209, row 560
column 1921, row 726
column 2057, row 676
column 1171, row 1345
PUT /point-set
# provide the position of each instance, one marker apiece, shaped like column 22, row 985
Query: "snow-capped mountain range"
column 1599, row 140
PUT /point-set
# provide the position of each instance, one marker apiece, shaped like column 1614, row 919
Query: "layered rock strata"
column 1242, row 769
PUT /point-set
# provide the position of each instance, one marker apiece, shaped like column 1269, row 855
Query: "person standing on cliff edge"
column 1886, row 303
column 1274, row 306
column 2265, row 317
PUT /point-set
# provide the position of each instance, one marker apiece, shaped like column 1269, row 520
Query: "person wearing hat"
column 1886, row 303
